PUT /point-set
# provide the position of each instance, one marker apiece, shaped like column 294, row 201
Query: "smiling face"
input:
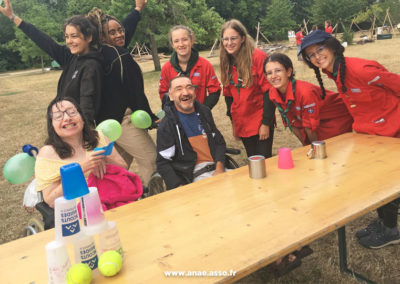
column 181, row 42
column 66, row 120
column 76, row 41
column 320, row 56
column 232, row 41
column 278, row 76
column 182, row 94
column 114, row 33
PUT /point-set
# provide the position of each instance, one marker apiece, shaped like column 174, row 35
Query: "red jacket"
column 202, row 75
column 372, row 97
column 299, row 37
column 247, row 108
column 329, row 29
column 328, row 117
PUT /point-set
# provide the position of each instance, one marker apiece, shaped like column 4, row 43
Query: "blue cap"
column 73, row 181
column 314, row 37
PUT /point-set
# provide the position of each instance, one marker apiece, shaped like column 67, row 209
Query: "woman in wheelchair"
column 70, row 139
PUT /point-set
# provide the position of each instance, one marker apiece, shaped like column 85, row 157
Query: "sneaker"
column 156, row 185
column 374, row 226
column 377, row 239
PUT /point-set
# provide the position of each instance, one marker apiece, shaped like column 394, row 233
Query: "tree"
column 41, row 15
column 301, row 10
column 205, row 22
column 279, row 19
column 334, row 11
column 249, row 12
column 79, row 7
column 394, row 10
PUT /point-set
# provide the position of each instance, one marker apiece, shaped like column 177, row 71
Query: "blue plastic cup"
column 73, row 181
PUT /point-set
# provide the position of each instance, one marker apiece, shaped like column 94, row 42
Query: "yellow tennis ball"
column 110, row 263
column 79, row 273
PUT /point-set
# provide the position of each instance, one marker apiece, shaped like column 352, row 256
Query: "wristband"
column 12, row 18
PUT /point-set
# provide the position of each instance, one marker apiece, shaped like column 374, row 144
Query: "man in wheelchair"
column 189, row 145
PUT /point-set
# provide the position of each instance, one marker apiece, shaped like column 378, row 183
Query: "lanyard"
column 284, row 112
column 238, row 85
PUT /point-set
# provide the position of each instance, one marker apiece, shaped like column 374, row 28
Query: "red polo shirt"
column 328, row 117
column 372, row 97
column 247, row 107
column 202, row 75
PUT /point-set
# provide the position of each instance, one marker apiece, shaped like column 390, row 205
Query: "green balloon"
column 110, row 128
column 19, row 168
column 141, row 119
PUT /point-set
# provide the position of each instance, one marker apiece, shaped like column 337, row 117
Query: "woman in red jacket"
column 244, row 87
column 309, row 116
column 372, row 96
column 185, row 61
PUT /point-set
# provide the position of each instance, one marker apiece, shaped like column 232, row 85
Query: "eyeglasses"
column 277, row 71
column 58, row 115
column 318, row 51
column 120, row 30
column 188, row 88
column 232, row 38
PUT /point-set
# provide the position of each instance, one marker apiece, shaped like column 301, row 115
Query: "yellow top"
column 47, row 171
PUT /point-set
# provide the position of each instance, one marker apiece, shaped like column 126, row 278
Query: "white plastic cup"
column 85, row 251
column 67, row 227
column 109, row 239
column 93, row 221
column 58, row 262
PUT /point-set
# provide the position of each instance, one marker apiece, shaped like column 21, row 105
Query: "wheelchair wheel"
column 230, row 163
column 156, row 185
column 34, row 226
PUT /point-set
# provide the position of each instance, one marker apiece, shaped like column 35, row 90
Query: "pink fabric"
column 118, row 187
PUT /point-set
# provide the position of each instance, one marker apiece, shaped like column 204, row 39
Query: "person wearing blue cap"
column 372, row 95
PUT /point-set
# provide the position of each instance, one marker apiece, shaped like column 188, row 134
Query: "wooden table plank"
column 231, row 222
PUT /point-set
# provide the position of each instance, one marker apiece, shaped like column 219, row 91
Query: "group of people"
column 100, row 80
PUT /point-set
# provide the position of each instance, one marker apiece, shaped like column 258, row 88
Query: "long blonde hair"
column 243, row 59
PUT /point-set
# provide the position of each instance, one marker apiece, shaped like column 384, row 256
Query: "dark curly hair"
column 335, row 46
column 62, row 148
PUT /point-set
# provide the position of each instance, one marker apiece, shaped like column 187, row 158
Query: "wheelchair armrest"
column 232, row 151
column 44, row 209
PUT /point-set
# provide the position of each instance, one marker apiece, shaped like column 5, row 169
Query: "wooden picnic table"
column 233, row 224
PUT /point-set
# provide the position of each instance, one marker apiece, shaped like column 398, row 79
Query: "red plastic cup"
column 285, row 160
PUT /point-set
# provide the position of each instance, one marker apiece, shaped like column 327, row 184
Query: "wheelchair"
column 35, row 224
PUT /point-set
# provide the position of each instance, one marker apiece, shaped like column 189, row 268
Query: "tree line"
column 205, row 17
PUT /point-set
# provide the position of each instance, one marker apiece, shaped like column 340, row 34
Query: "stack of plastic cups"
column 67, row 226
column 69, row 230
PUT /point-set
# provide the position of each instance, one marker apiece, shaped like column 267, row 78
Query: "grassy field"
column 24, row 97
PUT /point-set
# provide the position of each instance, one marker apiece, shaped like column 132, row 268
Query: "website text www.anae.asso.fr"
column 200, row 273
